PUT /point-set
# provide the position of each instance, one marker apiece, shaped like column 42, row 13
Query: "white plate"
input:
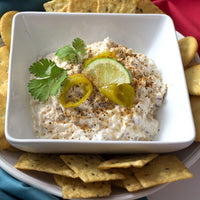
column 38, row 29
column 46, row 183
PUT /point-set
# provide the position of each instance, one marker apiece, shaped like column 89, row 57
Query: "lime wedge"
column 106, row 71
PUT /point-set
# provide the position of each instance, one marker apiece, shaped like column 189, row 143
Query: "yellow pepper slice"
column 122, row 94
column 107, row 54
column 76, row 80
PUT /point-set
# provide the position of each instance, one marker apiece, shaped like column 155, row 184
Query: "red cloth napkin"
column 185, row 14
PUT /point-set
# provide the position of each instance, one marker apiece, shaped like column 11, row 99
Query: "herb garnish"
column 74, row 53
column 49, row 78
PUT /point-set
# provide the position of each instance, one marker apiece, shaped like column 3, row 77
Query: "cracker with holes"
column 82, row 6
column 86, row 167
column 135, row 160
column 147, row 7
column 130, row 183
column 163, row 169
column 76, row 188
column 55, row 5
column 117, row 6
column 48, row 163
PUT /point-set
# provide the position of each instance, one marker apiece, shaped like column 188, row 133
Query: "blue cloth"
column 13, row 189
column 21, row 5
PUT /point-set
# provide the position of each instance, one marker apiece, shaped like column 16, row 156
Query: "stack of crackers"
column 5, row 30
column 102, row 6
column 188, row 49
column 87, row 176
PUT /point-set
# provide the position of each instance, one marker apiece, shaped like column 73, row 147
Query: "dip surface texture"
column 97, row 118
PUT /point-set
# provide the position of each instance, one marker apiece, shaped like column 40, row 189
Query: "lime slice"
column 106, row 71
column 106, row 54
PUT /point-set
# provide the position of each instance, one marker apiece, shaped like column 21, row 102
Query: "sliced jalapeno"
column 82, row 87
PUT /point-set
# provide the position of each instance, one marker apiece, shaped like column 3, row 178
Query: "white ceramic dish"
column 37, row 34
column 45, row 182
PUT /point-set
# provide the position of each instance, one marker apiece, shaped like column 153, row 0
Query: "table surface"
column 181, row 190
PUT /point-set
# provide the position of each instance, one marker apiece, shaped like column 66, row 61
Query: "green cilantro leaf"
column 74, row 53
column 79, row 45
column 44, row 68
column 49, row 78
column 67, row 53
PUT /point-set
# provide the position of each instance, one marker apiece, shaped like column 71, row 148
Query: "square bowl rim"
column 26, row 141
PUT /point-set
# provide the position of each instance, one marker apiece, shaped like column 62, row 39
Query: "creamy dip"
column 98, row 118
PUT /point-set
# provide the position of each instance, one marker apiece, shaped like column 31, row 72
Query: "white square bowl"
column 38, row 33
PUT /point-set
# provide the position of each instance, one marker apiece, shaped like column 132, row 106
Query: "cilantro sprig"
column 49, row 78
column 74, row 53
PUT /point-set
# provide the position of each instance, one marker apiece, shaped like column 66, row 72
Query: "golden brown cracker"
column 191, row 64
column 188, row 48
column 0, row 28
column 195, row 105
column 163, row 169
column 59, row 180
column 2, row 114
column 192, row 75
column 130, row 182
column 6, row 27
column 55, row 5
column 65, row 9
column 75, row 188
column 1, row 43
column 147, row 7
column 3, row 82
column 82, row 6
column 86, row 167
column 117, row 6
column 118, row 183
column 12, row 149
column 4, row 58
column 4, row 143
column 48, row 163
column 136, row 160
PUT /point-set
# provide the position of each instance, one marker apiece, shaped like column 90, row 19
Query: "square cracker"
column 48, row 163
column 117, row 6
column 64, row 9
column 188, row 48
column 163, row 169
column 86, row 167
column 136, row 160
column 130, row 182
column 195, row 105
column 4, row 58
column 146, row 6
column 6, row 27
column 2, row 115
column 76, row 188
column 55, row 5
column 4, row 143
column 3, row 82
column 82, row 6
